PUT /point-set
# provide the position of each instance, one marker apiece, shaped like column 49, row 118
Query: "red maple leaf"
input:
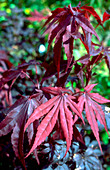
column 106, row 16
column 93, row 109
column 60, row 107
column 65, row 23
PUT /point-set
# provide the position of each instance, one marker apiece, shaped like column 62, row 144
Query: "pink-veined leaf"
column 99, row 114
column 92, row 118
column 46, row 126
column 60, row 104
column 41, row 111
column 93, row 109
column 66, row 123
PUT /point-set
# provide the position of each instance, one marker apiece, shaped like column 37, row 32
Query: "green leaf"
column 105, row 137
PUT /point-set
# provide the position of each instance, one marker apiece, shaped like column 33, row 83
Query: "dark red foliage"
column 13, row 73
column 56, row 108
column 16, row 118
column 65, row 24
column 90, row 11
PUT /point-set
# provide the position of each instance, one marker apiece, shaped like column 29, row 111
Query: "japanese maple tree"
column 52, row 110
